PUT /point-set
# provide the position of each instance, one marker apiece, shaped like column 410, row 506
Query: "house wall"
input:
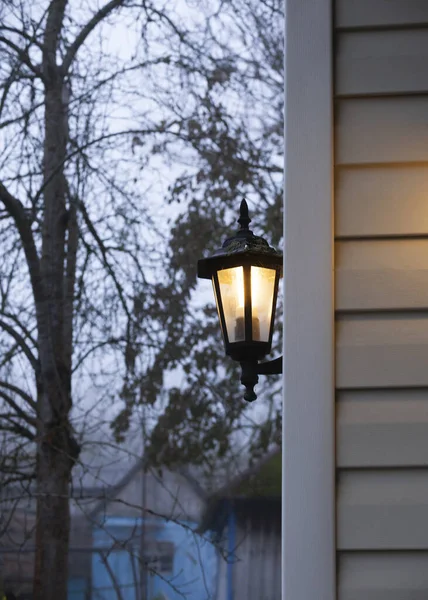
column 252, row 539
column 381, row 246
column 169, row 495
column 148, row 498
column 191, row 571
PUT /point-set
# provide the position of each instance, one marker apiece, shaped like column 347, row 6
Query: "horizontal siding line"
column 420, row 388
column 381, row 237
column 380, row 314
column 387, row 551
column 381, row 95
column 364, row 469
column 370, row 388
column 376, row 28
column 405, row 312
column 370, row 468
column 381, row 165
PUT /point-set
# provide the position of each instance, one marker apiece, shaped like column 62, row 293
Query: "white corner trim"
column 308, row 511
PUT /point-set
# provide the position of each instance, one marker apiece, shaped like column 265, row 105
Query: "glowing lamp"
column 245, row 274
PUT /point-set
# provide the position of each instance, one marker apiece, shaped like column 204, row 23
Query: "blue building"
column 180, row 562
column 151, row 520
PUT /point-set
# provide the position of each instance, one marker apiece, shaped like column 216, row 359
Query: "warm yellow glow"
column 262, row 290
column 232, row 292
column 231, row 283
column 238, row 287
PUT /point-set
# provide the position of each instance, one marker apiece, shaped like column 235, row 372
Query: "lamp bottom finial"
column 249, row 379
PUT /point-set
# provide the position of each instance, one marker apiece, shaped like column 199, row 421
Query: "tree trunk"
column 53, row 517
column 57, row 452
column 57, row 449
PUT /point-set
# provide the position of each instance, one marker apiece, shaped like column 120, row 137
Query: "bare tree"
column 66, row 213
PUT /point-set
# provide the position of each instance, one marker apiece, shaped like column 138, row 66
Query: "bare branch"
column 106, row 263
column 20, row 341
column 23, row 56
column 112, row 575
column 18, row 429
column 18, row 411
column 94, row 348
column 16, row 210
column 16, row 390
column 7, row 86
column 30, row 38
column 87, row 29
column 22, row 117
column 93, row 142
column 18, row 322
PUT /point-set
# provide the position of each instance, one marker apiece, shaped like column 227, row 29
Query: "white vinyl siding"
column 384, row 200
column 381, row 298
column 382, row 429
column 372, row 131
column 380, row 13
column 391, row 576
column 390, row 62
column 382, row 275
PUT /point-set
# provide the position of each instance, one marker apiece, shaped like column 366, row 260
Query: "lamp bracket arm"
column 271, row 367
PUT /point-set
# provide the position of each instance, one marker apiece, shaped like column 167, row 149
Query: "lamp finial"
column 244, row 220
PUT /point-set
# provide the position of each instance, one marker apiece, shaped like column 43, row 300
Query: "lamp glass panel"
column 231, row 284
column 262, row 293
column 218, row 309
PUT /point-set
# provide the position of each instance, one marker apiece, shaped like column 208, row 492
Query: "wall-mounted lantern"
column 245, row 273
